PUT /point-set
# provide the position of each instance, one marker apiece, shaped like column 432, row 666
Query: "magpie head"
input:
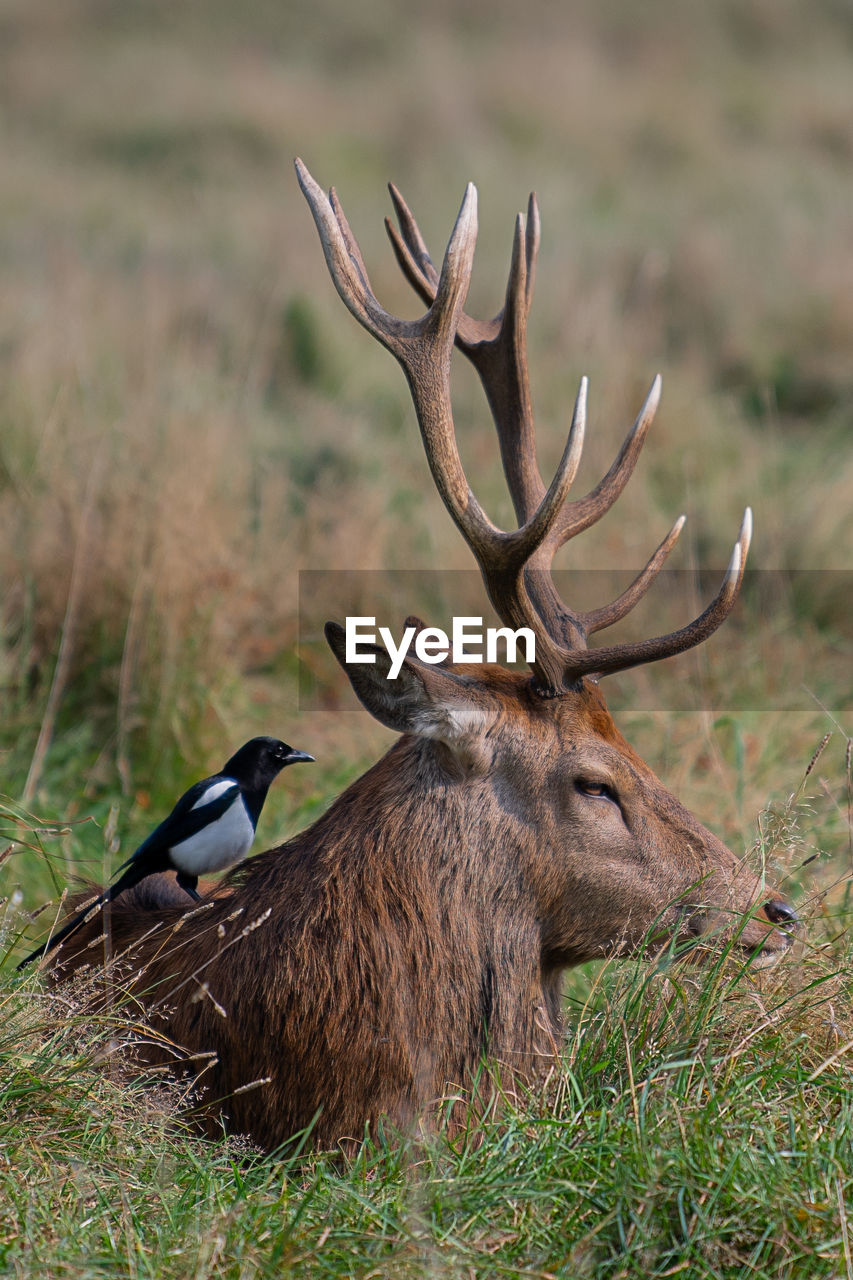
column 260, row 760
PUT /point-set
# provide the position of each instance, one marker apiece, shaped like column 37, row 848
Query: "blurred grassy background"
column 188, row 416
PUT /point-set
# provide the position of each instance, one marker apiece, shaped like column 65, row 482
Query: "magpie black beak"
column 293, row 756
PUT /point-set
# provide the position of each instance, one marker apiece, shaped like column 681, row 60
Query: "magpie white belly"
column 218, row 845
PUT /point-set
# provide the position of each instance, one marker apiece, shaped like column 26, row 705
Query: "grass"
column 188, row 418
column 699, row 1122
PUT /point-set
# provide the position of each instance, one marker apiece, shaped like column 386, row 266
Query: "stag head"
column 510, row 831
column 611, row 854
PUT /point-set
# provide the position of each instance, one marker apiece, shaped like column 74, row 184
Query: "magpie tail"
column 131, row 877
column 55, row 938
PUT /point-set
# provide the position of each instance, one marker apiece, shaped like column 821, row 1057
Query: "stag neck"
column 403, row 839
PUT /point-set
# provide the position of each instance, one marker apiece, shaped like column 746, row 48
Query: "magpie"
column 211, row 827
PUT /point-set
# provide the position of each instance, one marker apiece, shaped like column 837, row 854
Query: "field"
column 189, row 418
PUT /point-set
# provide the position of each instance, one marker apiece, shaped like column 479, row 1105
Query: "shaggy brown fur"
column 426, row 918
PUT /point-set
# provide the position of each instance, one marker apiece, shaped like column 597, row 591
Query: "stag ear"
column 419, row 625
column 421, row 699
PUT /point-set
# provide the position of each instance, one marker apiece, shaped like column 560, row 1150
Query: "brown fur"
column 425, row 920
column 367, row 967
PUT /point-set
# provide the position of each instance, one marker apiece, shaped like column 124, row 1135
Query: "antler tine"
column 540, row 524
column 416, row 264
column 350, row 241
column 423, row 285
column 425, row 358
column 598, row 619
column 500, row 358
column 620, row 657
column 455, row 276
column 512, row 318
column 418, row 268
column 410, row 250
column 516, row 302
column 586, row 511
column 534, row 229
column 511, row 550
column 497, row 350
column 423, row 347
column 345, row 266
column 495, row 347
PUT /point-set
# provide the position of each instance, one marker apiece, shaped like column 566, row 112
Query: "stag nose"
column 782, row 914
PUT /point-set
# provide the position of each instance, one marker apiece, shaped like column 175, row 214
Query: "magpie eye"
column 589, row 788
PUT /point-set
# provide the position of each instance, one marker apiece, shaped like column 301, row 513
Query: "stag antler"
column 516, row 564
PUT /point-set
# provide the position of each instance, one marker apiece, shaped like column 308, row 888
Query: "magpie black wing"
column 185, row 820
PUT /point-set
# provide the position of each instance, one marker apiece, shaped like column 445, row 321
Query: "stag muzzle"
column 782, row 915
column 767, row 931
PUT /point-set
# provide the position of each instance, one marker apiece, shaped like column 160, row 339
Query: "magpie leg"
column 189, row 885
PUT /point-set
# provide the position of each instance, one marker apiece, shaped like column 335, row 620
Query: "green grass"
column 700, row 1121
column 188, row 418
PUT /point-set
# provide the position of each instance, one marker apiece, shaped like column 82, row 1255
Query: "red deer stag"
column 510, row 832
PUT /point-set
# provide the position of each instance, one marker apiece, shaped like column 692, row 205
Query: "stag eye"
column 587, row 787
